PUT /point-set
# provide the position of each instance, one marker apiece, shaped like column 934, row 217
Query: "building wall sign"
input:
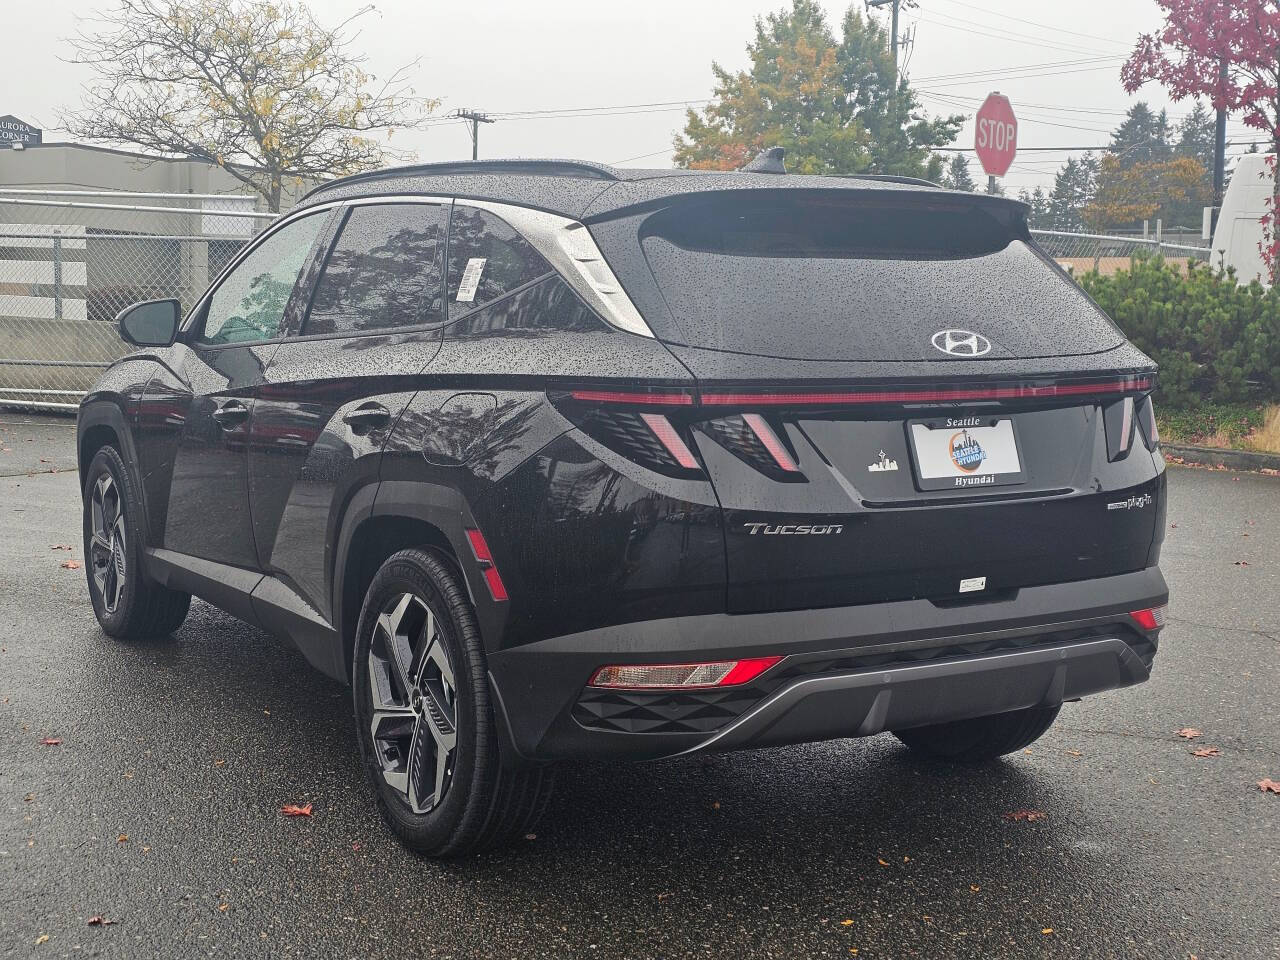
column 13, row 130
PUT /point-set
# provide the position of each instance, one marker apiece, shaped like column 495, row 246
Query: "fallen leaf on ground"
column 974, row 888
column 60, row 546
column 223, row 907
column 100, row 922
column 293, row 810
column 1268, row 786
column 1074, row 753
column 356, row 847
column 44, row 937
column 1205, row 752
column 123, row 838
column 51, row 741
column 1047, row 930
column 218, row 763
column 1027, row 815
column 846, row 923
column 1188, row 733
column 70, row 564
column 883, row 863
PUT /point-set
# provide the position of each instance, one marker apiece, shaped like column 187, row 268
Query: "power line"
column 476, row 119
column 1034, row 23
column 1022, row 38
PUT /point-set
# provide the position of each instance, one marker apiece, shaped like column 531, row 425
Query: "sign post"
column 995, row 137
column 15, row 132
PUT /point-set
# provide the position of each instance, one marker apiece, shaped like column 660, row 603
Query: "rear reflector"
column 1150, row 619
column 663, row 676
column 777, row 449
column 670, row 439
column 484, row 558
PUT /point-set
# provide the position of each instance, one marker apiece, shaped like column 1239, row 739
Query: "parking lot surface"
column 160, row 808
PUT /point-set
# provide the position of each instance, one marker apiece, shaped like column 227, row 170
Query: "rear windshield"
column 862, row 276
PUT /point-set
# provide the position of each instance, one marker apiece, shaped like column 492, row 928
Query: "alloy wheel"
column 414, row 698
column 107, row 551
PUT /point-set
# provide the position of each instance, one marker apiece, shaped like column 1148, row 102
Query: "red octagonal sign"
column 996, row 136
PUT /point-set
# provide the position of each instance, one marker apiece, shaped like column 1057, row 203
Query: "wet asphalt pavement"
column 160, row 808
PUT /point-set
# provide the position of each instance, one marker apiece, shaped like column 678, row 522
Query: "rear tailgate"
column 857, row 455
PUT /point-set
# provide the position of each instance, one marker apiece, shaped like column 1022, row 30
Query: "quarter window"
column 384, row 271
column 487, row 259
column 249, row 303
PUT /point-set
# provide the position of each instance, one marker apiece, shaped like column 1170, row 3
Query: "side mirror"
column 152, row 323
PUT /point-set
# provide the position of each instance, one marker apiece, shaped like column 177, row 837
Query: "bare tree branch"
column 257, row 87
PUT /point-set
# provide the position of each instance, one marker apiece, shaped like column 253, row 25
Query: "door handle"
column 367, row 417
column 231, row 414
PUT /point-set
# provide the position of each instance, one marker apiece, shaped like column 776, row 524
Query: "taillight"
column 751, row 438
column 670, row 439
column 1118, row 420
column 666, row 676
column 1147, row 421
column 1150, row 619
column 484, row 559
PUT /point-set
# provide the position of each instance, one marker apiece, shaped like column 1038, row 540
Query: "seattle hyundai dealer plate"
column 965, row 452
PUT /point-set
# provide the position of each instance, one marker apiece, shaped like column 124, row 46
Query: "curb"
column 1219, row 456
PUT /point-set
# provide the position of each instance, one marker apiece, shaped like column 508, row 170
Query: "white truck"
column 1239, row 230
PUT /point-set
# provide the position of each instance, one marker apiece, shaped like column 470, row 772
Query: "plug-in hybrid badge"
column 961, row 343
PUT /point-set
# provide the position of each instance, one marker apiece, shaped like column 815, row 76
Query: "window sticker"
column 470, row 280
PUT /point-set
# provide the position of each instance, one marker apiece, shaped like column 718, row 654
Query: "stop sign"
column 996, row 137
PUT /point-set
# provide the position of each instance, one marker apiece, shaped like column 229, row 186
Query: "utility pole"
column 1219, row 151
column 893, row 32
column 476, row 119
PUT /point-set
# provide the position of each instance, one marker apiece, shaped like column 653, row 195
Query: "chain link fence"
column 71, row 260
column 1082, row 252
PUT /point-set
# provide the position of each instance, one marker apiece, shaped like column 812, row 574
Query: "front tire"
column 981, row 738
column 128, row 604
column 424, row 716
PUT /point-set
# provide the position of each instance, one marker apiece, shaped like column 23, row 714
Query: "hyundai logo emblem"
column 961, row 343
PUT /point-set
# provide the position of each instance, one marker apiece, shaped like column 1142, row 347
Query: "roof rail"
column 565, row 168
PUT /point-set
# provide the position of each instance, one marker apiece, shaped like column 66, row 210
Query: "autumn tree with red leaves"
column 1229, row 52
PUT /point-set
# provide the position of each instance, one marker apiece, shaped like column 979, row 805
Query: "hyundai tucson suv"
column 549, row 460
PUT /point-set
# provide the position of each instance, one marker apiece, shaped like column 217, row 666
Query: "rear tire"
column 425, row 720
column 982, row 738
column 128, row 604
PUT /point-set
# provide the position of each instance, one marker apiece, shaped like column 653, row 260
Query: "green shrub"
column 1213, row 338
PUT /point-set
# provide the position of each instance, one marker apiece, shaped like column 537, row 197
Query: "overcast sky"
column 515, row 55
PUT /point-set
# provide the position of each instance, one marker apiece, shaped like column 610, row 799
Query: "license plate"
column 955, row 452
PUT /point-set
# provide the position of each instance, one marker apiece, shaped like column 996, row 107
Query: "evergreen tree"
column 1074, row 188
column 1038, row 216
column 835, row 106
column 1143, row 137
column 956, row 176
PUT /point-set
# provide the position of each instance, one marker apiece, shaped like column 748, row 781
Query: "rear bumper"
column 848, row 671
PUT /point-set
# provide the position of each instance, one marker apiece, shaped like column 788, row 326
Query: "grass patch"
column 1238, row 426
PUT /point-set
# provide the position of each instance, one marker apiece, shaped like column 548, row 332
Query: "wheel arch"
column 381, row 520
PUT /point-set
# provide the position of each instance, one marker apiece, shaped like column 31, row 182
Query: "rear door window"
column 384, row 272
column 487, row 259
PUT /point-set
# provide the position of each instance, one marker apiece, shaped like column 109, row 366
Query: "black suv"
column 549, row 460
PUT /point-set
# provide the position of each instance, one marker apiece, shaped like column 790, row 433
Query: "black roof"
column 583, row 189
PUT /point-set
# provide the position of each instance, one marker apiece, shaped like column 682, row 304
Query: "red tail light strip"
column 484, row 558
column 764, row 433
column 670, row 438
column 657, row 399
column 945, row 395
column 828, row 398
